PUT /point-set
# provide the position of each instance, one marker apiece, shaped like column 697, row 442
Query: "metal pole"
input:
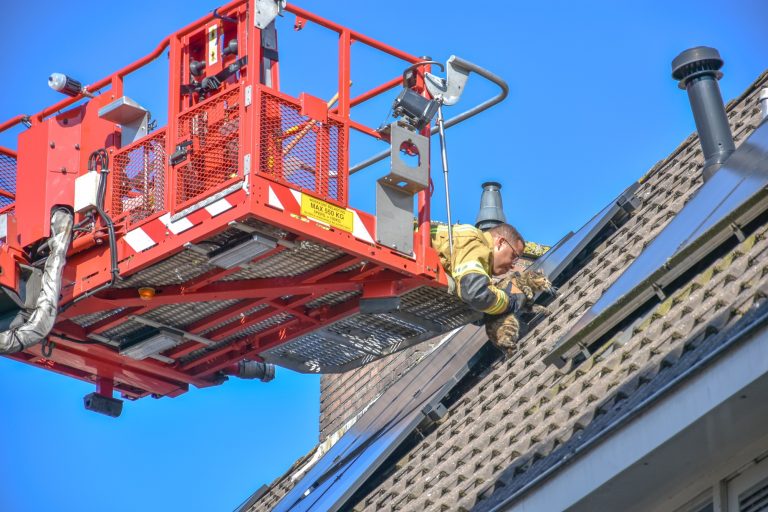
column 459, row 118
column 444, row 155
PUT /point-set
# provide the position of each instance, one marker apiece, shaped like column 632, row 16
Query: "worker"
column 477, row 256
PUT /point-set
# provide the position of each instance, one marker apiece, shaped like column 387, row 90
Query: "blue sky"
column 591, row 108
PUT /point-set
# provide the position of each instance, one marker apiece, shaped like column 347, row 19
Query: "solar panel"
column 555, row 261
column 730, row 199
column 380, row 430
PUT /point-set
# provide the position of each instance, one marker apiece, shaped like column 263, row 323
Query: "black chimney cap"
column 491, row 210
column 695, row 62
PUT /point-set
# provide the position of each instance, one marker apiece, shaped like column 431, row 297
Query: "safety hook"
column 47, row 348
column 223, row 18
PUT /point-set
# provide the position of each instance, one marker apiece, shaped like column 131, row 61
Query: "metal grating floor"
column 338, row 347
column 361, row 338
column 306, row 256
column 179, row 316
column 177, row 269
column 253, row 329
column 438, row 306
column 229, row 321
column 188, row 264
column 93, row 318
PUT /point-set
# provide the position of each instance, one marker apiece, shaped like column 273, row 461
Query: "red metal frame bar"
column 228, row 315
column 224, row 316
column 385, row 270
column 34, row 358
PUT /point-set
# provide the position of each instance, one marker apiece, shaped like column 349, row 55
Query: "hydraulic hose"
column 100, row 158
column 102, row 192
column 41, row 321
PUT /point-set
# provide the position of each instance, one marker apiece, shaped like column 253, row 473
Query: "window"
column 748, row 492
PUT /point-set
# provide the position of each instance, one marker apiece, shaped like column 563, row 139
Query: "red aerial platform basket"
column 227, row 234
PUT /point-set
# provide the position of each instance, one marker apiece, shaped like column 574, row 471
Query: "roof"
column 524, row 417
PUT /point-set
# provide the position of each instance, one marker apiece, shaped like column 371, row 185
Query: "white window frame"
column 747, row 478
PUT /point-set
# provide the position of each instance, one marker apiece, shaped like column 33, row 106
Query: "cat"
column 504, row 330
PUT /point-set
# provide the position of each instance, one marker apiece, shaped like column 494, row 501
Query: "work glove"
column 517, row 302
column 517, row 299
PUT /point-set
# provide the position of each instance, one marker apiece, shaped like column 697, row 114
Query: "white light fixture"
column 161, row 341
column 243, row 253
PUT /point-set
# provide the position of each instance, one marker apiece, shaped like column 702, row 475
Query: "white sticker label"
column 213, row 44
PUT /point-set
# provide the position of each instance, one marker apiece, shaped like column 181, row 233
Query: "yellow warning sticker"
column 319, row 210
column 213, row 44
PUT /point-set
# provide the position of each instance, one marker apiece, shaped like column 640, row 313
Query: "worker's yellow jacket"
column 471, row 267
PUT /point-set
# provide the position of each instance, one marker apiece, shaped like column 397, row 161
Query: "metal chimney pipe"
column 491, row 210
column 697, row 71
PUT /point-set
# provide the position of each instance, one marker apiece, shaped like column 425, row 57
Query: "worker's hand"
column 517, row 301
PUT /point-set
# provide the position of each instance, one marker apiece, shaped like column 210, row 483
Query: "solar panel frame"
column 379, row 431
column 557, row 259
column 737, row 191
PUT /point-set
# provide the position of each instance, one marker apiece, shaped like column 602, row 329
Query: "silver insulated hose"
column 43, row 316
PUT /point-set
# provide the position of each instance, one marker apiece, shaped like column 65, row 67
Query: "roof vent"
column 697, row 71
column 491, row 210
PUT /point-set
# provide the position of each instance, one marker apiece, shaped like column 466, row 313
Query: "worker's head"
column 508, row 246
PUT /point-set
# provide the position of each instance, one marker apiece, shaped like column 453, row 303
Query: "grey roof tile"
column 523, row 412
column 534, row 412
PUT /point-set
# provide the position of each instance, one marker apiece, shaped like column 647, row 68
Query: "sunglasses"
column 514, row 251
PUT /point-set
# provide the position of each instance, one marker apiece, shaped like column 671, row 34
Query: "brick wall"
column 343, row 395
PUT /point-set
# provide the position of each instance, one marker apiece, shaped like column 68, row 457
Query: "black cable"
column 100, row 158
column 101, row 198
column 73, row 340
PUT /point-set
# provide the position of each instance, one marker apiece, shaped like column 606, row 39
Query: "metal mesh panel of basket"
column 176, row 269
column 214, row 129
column 265, row 324
column 302, row 152
column 7, row 178
column 138, row 179
column 316, row 351
column 437, row 305
column 91, row 318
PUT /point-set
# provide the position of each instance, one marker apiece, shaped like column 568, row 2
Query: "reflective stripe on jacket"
column 471, row 267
